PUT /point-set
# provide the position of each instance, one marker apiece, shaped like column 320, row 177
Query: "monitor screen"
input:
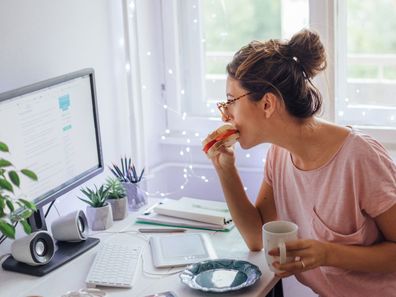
column 53, row 130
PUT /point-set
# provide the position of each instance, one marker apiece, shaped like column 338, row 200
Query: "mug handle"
column 282, row 252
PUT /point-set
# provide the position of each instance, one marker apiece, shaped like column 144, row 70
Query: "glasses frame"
column 222, row 106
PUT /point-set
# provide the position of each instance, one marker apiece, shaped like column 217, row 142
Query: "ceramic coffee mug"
column 275, row 234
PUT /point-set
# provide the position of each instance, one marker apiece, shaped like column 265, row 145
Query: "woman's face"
column 244, row 114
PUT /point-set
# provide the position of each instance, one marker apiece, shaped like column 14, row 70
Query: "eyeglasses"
column 222, row 106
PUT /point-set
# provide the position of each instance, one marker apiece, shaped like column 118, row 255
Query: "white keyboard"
column 115, row 265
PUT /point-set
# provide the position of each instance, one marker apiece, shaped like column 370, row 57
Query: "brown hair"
column 285, row 68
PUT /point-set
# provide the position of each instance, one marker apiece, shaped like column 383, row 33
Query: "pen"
column 148, row 210
column 160, row 230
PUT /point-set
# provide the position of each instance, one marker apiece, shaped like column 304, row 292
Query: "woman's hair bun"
column 306, row 48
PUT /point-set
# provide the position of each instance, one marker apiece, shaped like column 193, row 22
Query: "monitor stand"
column 65, row 252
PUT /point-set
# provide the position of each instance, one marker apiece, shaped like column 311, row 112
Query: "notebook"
column 206, row 211
column 151, row 217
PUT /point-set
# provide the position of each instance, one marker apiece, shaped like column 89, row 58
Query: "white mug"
column 275, row 234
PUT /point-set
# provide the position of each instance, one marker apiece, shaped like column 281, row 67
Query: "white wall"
column 45, row 38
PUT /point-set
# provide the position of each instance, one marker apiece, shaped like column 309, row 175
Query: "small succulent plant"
column 96, row 198
column 127, row 173
column 116, row 190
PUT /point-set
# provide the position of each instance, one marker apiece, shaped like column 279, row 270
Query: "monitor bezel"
column 83, row 177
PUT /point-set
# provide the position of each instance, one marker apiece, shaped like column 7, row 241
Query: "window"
column 207, row 34
column 368, row 76
column 202, row 35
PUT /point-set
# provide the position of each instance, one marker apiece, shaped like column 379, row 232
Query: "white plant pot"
column 136, row 197
column 100, row 218
column 119, row 208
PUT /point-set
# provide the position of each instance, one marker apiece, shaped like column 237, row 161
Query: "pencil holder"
column 136, row 197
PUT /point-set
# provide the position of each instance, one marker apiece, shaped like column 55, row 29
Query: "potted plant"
column 117, row 198
column 99, row 212
column 129, row 178
column 9, row 216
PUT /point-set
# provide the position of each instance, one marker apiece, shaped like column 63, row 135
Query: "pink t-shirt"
column 337, row 203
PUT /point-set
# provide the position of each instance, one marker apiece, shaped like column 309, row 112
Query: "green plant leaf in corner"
column 6, row 185
column 26, row 227
column 3, row 147
column 7, row 229
column 14, row 177
column 30, row 174
column 28, row 204
column 10, row 205
column 5, row 163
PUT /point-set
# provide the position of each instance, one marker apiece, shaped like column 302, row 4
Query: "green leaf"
column 86, row 201
column 14, row 177
column 5, row 163
column 2, row 202
column 10, row 205
column 7, row 229
column 30, row 174
column 26, row 227
column 6, row 185
column 28, row 204
column 26, row 213
column 3, row 147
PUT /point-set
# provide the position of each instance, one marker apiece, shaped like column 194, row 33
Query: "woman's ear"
column 269, row 102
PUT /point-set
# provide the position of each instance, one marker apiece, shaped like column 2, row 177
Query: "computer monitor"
column 53, row 130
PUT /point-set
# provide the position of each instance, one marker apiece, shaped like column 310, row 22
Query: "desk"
column 71, row 276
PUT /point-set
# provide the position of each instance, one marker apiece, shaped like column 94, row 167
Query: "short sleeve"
column 377, row 182
column 268, row 171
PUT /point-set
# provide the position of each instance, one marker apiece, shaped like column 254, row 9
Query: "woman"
column 337, row 184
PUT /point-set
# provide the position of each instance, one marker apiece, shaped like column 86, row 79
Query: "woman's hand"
column 224, row 157
column 309, row 254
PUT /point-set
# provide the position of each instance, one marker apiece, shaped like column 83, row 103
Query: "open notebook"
column 190, row 213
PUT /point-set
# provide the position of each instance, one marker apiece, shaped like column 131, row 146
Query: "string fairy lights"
column 187, row 139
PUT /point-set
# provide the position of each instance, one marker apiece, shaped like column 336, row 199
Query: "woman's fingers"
column 293, row 248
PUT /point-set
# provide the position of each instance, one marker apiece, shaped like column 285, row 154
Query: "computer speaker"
column 37, row 248
column 71, row 227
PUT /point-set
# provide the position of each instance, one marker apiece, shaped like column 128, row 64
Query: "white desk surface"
column 71, row 276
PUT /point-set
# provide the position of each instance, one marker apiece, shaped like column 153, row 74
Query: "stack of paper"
column 189, row 212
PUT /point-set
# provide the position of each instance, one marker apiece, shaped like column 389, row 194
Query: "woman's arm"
column 379, row 257
column 247, row 217
column 376, row 258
